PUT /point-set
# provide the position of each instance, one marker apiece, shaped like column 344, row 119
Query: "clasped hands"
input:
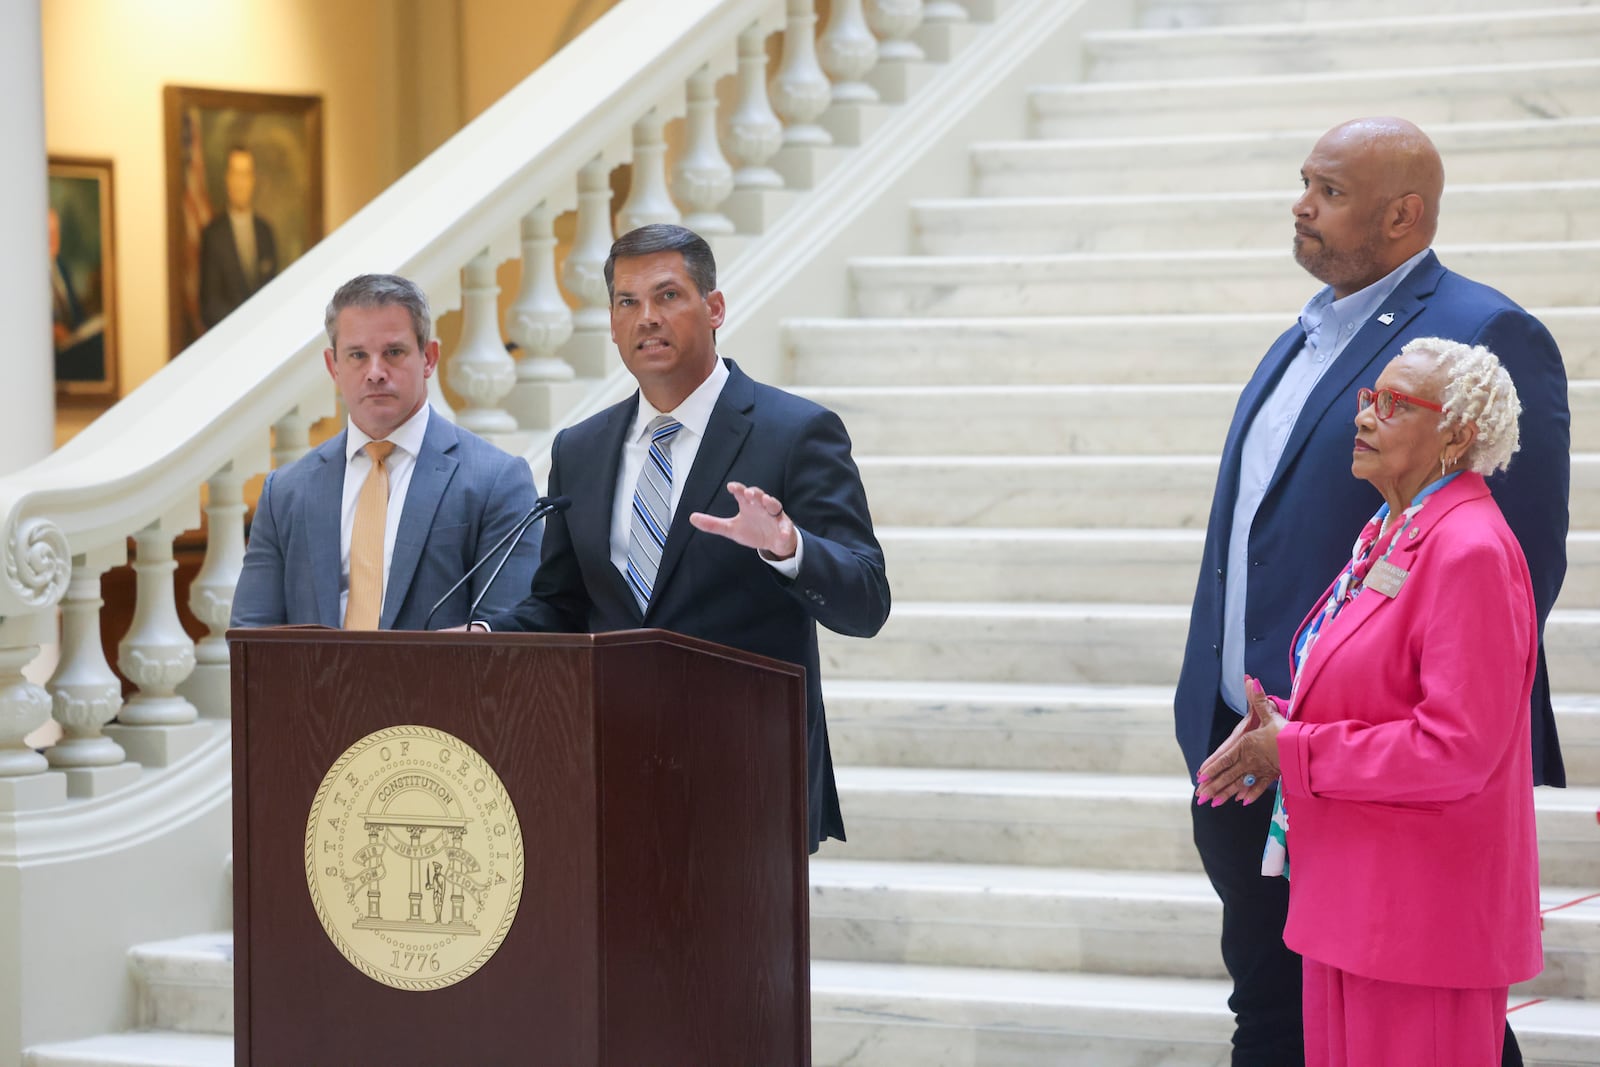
column 760, row 523
column 1251, row 750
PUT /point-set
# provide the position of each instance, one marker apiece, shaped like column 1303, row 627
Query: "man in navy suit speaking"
column 371, row 528
column 1287, row 508
column 707, row 503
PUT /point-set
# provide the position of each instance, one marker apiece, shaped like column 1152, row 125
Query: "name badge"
column 1385, row 578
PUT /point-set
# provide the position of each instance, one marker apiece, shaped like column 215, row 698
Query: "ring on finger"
column 1249, row 780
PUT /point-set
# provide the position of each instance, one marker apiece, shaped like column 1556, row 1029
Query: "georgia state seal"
column 414, row 858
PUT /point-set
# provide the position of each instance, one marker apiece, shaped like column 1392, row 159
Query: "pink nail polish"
column 1202, row 778
column 1217, row 803
column 1249, row 802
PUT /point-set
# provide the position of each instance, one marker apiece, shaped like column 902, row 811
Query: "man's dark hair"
column 376, row 291
column 665, row 237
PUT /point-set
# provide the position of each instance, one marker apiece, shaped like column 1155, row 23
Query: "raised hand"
column 760, row 524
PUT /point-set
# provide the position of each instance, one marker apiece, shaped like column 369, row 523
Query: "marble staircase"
column 1037, row 384
column 1037, row 391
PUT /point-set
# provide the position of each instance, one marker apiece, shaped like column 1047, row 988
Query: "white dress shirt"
column 694, row 413
column 407, row 441
column 243, row 224
column 1329, row 325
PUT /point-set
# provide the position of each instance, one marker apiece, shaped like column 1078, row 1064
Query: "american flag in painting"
column 196, row 213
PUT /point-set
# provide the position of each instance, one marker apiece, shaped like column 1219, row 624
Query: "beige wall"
column 390, row 73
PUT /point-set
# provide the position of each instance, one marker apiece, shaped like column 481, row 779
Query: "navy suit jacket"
column 1314, row 507
column 465, row 494
column 707, row 586
column 222, row 284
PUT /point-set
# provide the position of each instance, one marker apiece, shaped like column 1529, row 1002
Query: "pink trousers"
column 1362, row 1022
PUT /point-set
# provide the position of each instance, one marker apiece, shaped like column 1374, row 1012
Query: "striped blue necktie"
column 652, row 510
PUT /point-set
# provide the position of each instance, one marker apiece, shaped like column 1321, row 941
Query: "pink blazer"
column 1406, row 771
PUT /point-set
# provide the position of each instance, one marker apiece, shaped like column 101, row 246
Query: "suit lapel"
column 431, row 474
column 323, row 513
column 726, row 431
column 598, row 461
column 1351, row 619
column 1358, row 357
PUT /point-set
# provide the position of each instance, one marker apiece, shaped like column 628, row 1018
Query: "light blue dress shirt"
column 1329, row 325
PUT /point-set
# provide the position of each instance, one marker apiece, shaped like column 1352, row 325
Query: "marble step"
column 1097, row 492
column 1554, row 273
column 1153, row 349
column 1098, row 644
column 1388, row 42
column 1527, row 148
column 1425, row 94
column 1104, row 729
column 1074, row 919
column 1048, row 565
column 155, row 1048
column 1080, row 420
column 1036, row 644
column 1472, row 214
column 1172, row 14
column 1109, row 821
column 890, row 1015
column 1032, row 420
column 185, row 984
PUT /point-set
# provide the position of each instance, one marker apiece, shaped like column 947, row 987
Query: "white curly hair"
column 1477, row 390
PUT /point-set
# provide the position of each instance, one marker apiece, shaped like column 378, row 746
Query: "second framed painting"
column 83, row 290
column 244, row 198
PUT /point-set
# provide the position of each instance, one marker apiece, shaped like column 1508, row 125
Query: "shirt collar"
column 695, row 411
column 1323, row 312
column 407, row 437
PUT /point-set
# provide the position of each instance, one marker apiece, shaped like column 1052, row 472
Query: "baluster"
column 800, row 90
column 754, row 132
column 24, row 707
column 291, row 438
column 211, row 592
column 480, row 369
column 648, row 200
column 539, row 321
column 848, row 50
column 85, row 693
column 584, row 273
column 702, row 179
column 156, row 654
column 894, row 21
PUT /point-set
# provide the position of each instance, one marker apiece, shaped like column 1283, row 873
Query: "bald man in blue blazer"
column 452, row 495
column 1287, row 508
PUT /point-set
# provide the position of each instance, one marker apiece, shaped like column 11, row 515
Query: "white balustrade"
column 480, row 369
column 24, row 707
column 156, row 654
column 702, row 180
column 291, row 437
column 584, row 272
column 539, row 320
column 85, row 693
column 754, row 132
column 211, row 592
column 847, row 51
column 648, row 200
column 940, row 11
column 800, row 90
column 894, row 21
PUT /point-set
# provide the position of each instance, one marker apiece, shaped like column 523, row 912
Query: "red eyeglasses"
column 1382, row 402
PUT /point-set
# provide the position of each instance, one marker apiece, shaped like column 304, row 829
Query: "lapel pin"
column 1386, row 318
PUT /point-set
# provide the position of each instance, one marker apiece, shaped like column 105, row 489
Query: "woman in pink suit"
column 1405, row 781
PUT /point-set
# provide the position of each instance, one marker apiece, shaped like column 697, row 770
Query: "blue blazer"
column 1314, row 507
column 707, row 586
column 465, row 494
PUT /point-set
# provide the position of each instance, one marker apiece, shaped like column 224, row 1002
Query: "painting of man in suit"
column 81, row 289
column 244, row 198
column 238, row 253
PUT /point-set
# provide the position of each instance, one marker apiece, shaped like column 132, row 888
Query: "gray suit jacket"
column 465, row 494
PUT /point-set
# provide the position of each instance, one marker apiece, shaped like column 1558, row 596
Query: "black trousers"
column 1268, row 1030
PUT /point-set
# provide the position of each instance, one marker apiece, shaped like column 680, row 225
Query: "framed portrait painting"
column 244, row 198
column 83, row 292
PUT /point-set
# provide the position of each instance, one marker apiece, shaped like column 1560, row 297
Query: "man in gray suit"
column 328, row 547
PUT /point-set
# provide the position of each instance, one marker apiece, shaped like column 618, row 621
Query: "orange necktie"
column 366, row 543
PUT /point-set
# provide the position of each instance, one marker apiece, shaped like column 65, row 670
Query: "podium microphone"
column 543, row 506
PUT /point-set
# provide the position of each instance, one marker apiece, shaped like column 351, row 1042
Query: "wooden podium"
column 659, row 783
